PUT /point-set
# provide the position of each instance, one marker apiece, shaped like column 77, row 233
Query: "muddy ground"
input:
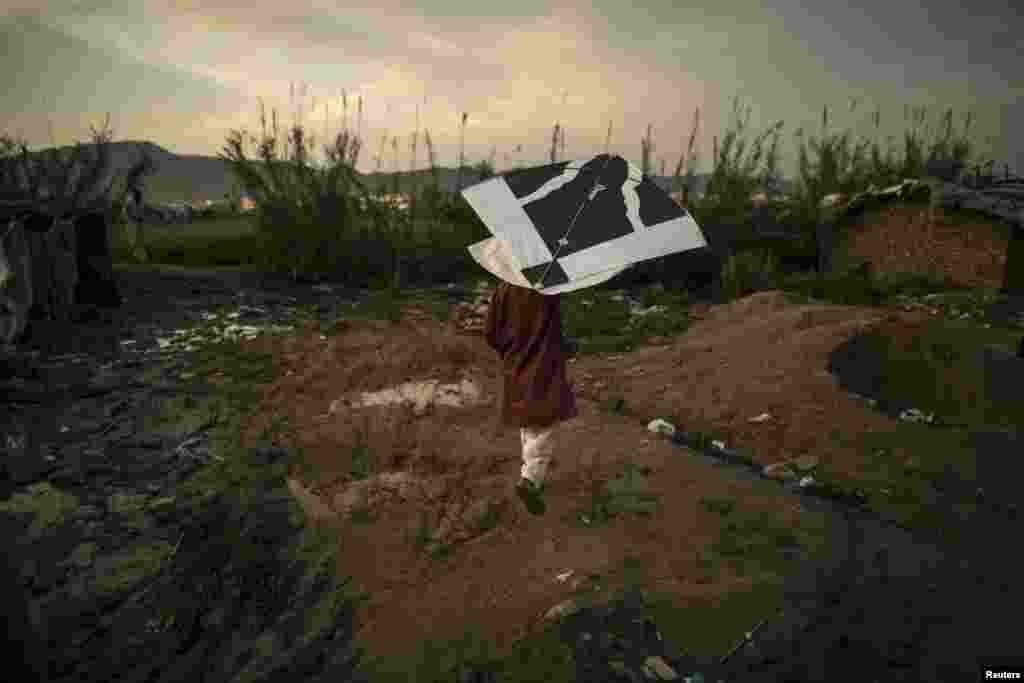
column 167, row 498
column 141, row 559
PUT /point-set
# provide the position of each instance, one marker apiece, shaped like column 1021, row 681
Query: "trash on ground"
column 660, row 426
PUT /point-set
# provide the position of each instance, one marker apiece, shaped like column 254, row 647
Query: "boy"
column 525, row 328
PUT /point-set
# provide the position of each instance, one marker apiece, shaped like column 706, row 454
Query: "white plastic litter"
column 420, row 394
column 660, row 426
column 915, row 415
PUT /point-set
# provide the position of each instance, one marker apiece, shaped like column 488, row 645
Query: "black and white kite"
column 566, row 226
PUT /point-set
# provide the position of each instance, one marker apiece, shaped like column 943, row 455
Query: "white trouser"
column 537, row 447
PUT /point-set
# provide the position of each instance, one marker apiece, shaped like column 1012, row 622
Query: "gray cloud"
column 201, row 64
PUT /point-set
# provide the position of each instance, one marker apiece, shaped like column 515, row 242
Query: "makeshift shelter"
column 50, row 263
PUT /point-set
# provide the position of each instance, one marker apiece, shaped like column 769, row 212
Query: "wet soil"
column 134, row 566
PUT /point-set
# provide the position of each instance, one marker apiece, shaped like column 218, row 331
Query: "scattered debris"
column 562, row 610
column 419, row 394
column 660, row 426
column 780, row 471
column 915, row 415
column 564, row 576
column 658, row 669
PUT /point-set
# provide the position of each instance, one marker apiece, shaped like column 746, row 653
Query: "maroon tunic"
column 525, row 328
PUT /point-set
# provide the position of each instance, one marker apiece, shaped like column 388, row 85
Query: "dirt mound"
column 753, row 356
column 965, row 249
column 422, row 500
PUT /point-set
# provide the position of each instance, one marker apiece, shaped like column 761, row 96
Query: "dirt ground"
column 435, row 535
column 421, row 501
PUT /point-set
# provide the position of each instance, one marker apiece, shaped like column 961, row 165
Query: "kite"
column 575, row 224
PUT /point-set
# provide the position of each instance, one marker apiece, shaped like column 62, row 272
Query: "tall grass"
column 743, row 162
column 827, row 163
column 646, row 147
column 330, row 220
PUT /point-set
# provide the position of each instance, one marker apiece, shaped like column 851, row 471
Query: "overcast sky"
column 183, row 74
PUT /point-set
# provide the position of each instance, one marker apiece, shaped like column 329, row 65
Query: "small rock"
column 658, row 668
column 763, row 417
column 562, row 610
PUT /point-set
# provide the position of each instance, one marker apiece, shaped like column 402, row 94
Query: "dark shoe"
column 530, row 494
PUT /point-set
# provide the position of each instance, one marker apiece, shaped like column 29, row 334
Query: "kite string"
column 572, row 223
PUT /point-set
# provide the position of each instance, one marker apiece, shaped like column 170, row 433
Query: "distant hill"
column 176, row 177
column 182, row 177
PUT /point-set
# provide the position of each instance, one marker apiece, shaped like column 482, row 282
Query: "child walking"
column 525, row 328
